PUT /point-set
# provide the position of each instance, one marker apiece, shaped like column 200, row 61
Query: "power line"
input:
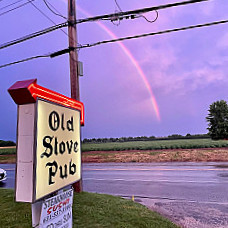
column 33, row 35
column 45, row 15
column 8, row 11
column 114, row 19
column 4, row 7
column 138, row 11
column 51, row 55
column 24, row 60
column 56, row 10
column 65, row 24
column 153, row 34
column 64, row 51
column 41, row 12
column 36, row 34
column 57, row 14
column 118, row 6
column 150, row 21
column 133, row 16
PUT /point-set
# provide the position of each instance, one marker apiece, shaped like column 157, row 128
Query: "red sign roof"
column 25, row 92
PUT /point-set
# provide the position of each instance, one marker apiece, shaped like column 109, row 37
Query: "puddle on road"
column 222, row 166
column 223, row 174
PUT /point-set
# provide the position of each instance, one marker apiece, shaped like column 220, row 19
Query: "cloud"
column 223, row 41
column 172, row 72
column 207, row 9
column 194, row 80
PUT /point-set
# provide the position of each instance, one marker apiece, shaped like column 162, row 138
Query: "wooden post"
column 74, row 79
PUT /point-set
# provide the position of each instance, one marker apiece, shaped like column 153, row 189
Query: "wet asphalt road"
column 10, row 171
column 204, row 182
column 191, row 194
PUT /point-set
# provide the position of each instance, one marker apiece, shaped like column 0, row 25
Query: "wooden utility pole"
column 72, row 38
column 74, row 79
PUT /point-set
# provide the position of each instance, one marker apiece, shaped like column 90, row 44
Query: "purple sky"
column 186, row 71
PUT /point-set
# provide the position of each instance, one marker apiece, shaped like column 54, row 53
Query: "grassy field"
column 214, row 151
column 7, row 151
column 144, row 145
column 89, row 211
column 7, row 155
column 155, row 145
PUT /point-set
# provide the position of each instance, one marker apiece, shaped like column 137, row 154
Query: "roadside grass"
column 155, row 145
column 89, row 210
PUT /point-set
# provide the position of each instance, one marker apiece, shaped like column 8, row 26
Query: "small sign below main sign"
column 57, row 211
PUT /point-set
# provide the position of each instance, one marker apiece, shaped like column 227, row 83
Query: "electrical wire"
column 115, row 21
column 33, row 35
column 150, row 21
column 57, row 14
column 116, row 18
column 46, row 16
column 50, row 19
column 24, row 60
column 65, row 24
column 11, row 4
column 136, row 12
column 61, row 52
column 8, row 11
column 153, row 34
column 56, row 10
column 118, row 5
column 132, row 16
column 51, row 55
column 61, row 16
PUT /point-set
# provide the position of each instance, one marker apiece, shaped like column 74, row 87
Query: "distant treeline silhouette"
column 145, row 138
column 7, row 143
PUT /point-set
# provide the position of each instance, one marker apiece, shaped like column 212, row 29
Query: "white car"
column 2, row 175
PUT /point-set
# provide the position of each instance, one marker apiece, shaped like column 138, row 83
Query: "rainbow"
column 133, row 61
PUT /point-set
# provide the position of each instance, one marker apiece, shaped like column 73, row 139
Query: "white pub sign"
column 48, row 140
column 58, row 157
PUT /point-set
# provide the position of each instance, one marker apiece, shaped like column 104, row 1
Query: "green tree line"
column 145, row 138
column 7, row 143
